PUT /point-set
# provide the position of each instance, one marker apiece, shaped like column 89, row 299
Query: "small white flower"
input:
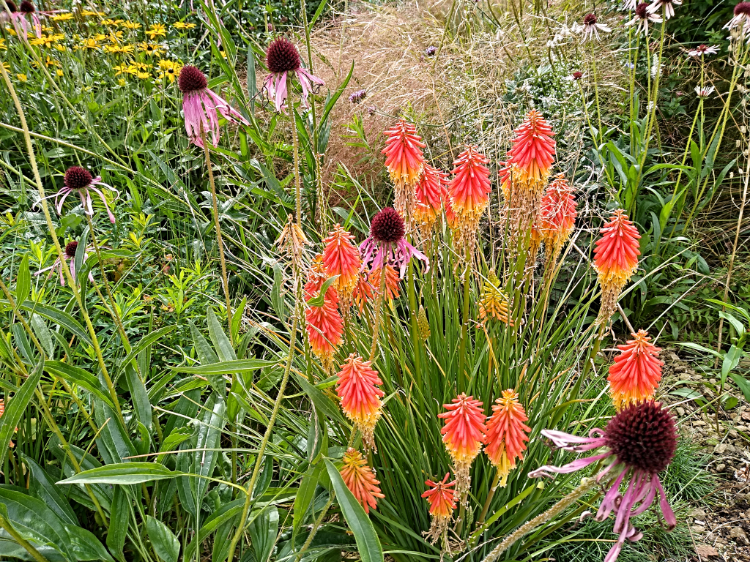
column 668, row 6
column 591, row 27
column 703, row 50
column 704, row 92
column 643, row 17
column 741, row 19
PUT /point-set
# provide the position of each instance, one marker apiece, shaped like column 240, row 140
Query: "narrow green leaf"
column 138, row 393
column 15, row 408
column 319, row 299
column 44, row 488
column 123, row 473
column 145, row 342
column 23, row 283
column 57, row 317
column 165, row 543
column 118, row 521
column 226, row 367
column 305, row 495
column 76, row 375
column 219, row 338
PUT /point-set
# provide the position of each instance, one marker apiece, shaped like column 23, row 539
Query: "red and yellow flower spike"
column 363, row 292
column 431, row 191
column 360, row 479
column 506, row 434
column 357, row 387
column 493, row 302
column 391, row 282
column 615, row 260
column 557, row 217
column 469, row 196
column 442, row 500
column 533, row 150
column 463, row 435
column 324, row 325
column 341, row 257
column 405, row 162
column 636, row 372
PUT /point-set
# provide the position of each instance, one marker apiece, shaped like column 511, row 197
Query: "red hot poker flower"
column 463, row 435
column 360, row 479
column 636, row 372
column 557, row 214
column 430, row 193
column 405, row 162
column 506, row 434
column 341, row 258
column 533, row 148
column 442, row 500
column 357, row 387
column 324, row 325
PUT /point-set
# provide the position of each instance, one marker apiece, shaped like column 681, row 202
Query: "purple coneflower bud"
column 387, row 226
column 643, row 437
column 70, row 249
column 430, row 51
column 358, row 96
column 78, row 178
column 589, row 19
column 27, row 7
column 282, row 56
column 577, row 75
column 191, row 79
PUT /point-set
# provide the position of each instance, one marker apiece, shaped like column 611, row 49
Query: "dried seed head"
column 78, row 178
column 70, row 249
column 11, row 6
column 191, row 79
column 387, row 226
column 282, row 56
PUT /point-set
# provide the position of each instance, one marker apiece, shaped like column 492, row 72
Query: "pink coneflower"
column 26, row 8
column 81, row 181
column 643, row 17
column 201, row 105
column 591, row 27
column 282, row 58
column 741, row 19
column 639, row 443
column 69, row 261
column 386, row 244
column 703, row 51
column 704, row 92
column 668, row 6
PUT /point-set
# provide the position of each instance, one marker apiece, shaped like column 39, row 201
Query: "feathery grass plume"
column 463, row 435
column 469, row 196
column 615, row 261
column 506, row 434
column 202, row 107
column 324, row 325
column 391, row 282
column 357, row 388
column 442, row 499
column 493, row 302
column 386, row 244
column 431, row 191
column 405, row 162
column 557, row 217
column 341, row 258
column 282, row 58
column 636, row 372
column 639, row 443
column 360, row 479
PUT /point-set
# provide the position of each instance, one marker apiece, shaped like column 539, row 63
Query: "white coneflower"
column 668, row 6
column 642, row 18
column 741, row 19
column 630, row 5
column 704, row 92
column 591, row 27
column 703, row 50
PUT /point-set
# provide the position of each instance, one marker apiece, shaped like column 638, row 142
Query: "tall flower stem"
column 462, row 378
column 379, row 303
column 487, row 502
column 219, row 239
column 415, row 337
column 586, row 485
column 60, row 253
column 295, row 146
column 596, row 93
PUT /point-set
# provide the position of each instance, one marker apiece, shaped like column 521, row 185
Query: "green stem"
column 463, row 379
column 415, row 337
column 379, row 304
column 35, row 554
column 487, row 502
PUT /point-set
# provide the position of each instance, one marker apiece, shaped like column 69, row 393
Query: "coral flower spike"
column 615, row 260
column 357, row 387
column 202, row 107
column 341, row 258
column 533, row 148
column 463, row 435
column 636, row 372
column 360, row 479
column 405, row 162
column 557, row 216
column 506, row 434
column 442, row 500
column 637, row 444
column 431, row 191
column 469, row 196
column 324, row 325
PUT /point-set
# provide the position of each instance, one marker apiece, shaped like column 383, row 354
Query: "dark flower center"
column 577, row 75
column 191, row 79
column 27, row 7
column 590, row 19
column 387, row 226
column 641, row 10
column 70, row 249
column 701, row 48
column 643, row 437
column 78, row 178
column 742, row 8
column 282, row 56
column 11, row 6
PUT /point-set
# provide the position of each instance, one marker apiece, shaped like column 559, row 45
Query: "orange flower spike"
column 470, row 187
column 533, row 148
column 357, row 387
column 363, row 292
column 557, row 213
column 636, row 372
column 442, row 500
column 506, row 434
column 341, row 258
column 403, row 153
column 391, row 282
column 324, row 325
column 360, row 479
column 430, row 192
column 463, row 435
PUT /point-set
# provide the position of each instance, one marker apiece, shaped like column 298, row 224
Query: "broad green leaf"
column 15, row 408
column 119, row 517
column 123, row 473
column 305, row 494
column 263, row 531
column 43, row 334
column 743, row 384
column 252, row 88
column 23, row 282
column 220, row 340
column 57, row 317
column 76, row 375
column 138, row 393
column 44, row 488
column 368, row 543
column 319, row 299
column 173, row 440
column 165, row 543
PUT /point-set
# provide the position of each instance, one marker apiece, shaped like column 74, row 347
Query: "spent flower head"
column 591, row 27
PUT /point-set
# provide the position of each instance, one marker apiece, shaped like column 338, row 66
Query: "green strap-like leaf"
column 123, row 473
column 226, row 367
column 15, row 409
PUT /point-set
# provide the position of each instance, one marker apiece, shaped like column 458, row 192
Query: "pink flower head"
column 386, row 244
column 282, row 58
column 202, row 107
column 69, row 253
column 26, row 8
column 638, row 443
column 81, row 181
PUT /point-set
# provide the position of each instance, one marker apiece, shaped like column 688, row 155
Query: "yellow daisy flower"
column 183, row 25
column 150, row 48
column 169, row 69
column 143, row 75
column 131, row 25
column 157, row 30
column 47, row 40
column 2, row 44
column 22, row 77
column 63, row 17
column 88, row 43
